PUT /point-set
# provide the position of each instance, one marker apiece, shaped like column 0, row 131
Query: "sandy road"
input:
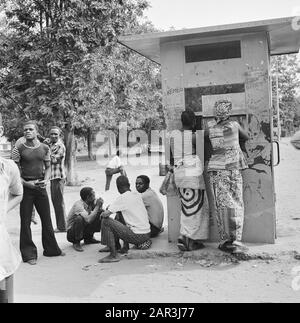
column 79, row 278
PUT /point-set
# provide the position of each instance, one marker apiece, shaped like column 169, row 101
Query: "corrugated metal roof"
column 284, row 34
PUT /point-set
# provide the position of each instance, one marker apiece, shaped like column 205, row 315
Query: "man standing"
column 114, row 167
column 57, row 178
column 33, row 159
column 11, row 191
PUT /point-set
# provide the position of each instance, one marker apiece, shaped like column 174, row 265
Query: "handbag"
column 168, row 185
column 188, row 173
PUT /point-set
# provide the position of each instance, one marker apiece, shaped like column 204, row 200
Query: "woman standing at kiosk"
column 188, row 172
column 225, row 176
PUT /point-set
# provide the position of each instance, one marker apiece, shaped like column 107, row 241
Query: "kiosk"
column 200, row 66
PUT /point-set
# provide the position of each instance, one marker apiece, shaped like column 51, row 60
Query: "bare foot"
column 109, row 259
column 32, row 262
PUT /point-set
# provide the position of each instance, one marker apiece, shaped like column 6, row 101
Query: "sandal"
column 145, row 245
column 181, row 244
column 227, row 247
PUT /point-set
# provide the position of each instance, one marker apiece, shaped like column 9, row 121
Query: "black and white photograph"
column 149, row 154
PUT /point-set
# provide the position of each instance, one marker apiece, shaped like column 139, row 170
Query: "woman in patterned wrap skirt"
column 225, row 176
column 188, row 172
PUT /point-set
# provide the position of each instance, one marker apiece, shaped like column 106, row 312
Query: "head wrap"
column 222, row 109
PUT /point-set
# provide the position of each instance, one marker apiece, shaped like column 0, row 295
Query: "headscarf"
column 222, row 110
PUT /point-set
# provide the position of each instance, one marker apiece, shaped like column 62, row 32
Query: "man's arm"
column 93, row 215
column 16, row 157
column 242, row 133
column 42, row 184
column 59, row 155
column 47, row 165
column 47, row 171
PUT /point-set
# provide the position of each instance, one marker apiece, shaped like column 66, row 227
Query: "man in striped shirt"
column 57, row 178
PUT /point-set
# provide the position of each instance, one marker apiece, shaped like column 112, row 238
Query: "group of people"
column 134, row 217
column 138, row 216
column 221, row 173
column 43, row 162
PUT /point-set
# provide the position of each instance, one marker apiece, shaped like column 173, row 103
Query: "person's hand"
column 54, row 160
column 29, row 184
column 41, row 184
column 99, row 202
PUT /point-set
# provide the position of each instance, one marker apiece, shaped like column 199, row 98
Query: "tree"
column 49, row 55
column 121, row 86
column 288, row 69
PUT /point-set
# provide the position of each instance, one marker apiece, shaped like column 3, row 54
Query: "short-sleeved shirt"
column 226, row 154
column 133, row 210
column 115, row 162
column 79, row 208
column 58, row 151
column 10, row 183
column 32, row 160
column 154, row 207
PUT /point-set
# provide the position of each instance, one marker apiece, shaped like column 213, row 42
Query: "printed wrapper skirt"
column 227, row 188
column 194, row 222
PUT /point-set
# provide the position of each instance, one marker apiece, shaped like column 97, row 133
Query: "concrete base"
column 162, row 248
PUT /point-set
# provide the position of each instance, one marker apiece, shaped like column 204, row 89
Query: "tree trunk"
column 89, row 144
column 70, row 162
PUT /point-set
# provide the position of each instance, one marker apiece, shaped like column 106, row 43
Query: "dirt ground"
column 78, row 277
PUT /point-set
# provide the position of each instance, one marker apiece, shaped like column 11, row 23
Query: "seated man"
column 84, row 219
column 136, row 229
column 152, row 203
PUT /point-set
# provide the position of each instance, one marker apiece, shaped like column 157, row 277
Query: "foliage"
column 288, row 83
column 51, row 54
column 60, row 63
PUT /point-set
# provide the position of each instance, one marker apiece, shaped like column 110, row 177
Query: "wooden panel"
column 238, row 103
column 194, row 96
column 172, row 84
column 258, row 179
column 214, row 73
